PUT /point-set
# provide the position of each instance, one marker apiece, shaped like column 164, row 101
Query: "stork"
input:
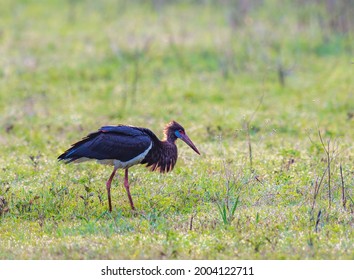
column 124, row 146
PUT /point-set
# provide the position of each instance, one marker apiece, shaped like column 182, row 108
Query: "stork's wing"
column 110, row 142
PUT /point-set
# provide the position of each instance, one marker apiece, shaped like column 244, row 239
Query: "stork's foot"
column 130, row 198
column 108, row 186
column 141, row 213
column 126, row 185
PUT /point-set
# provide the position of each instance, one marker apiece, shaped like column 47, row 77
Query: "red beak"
column 189, row 142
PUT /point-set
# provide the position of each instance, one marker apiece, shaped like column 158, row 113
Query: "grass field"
column 265, row 91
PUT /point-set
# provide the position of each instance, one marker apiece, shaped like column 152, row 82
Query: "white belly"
column 126, row 164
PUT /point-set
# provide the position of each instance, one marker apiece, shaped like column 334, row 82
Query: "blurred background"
column 68, row 67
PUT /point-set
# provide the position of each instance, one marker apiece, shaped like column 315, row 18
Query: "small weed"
column 228, row 214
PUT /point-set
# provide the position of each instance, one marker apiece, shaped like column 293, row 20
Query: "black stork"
column 124, row 146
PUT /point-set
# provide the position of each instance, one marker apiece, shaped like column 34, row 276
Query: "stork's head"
column 174, row 130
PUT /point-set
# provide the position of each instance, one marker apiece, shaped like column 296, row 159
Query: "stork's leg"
column 126, row 185
column 108, row 185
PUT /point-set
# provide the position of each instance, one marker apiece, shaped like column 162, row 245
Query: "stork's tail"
column 79, row 151
column 69, row 156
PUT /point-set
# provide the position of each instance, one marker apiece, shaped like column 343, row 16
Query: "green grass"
column 68, row 67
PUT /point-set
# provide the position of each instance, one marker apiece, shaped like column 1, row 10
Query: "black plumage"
column 109, row 143
column 124, row 146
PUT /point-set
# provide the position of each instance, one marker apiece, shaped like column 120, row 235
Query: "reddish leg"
column 108, row 185
column 126, row 185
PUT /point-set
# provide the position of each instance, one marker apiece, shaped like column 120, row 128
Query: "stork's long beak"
column 189, row 142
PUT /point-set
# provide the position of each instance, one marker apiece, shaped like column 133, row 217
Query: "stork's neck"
column 168, row 154
column 162, row 156
column 169, row 137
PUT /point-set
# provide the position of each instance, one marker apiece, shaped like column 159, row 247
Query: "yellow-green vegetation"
column 263, row 88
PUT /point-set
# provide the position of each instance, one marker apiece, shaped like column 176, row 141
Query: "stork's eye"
column 179, row 133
